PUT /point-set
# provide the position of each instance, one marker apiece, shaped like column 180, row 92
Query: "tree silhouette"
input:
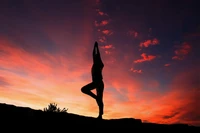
column 52, row 107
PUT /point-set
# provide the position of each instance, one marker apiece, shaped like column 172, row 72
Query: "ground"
column 26, row 119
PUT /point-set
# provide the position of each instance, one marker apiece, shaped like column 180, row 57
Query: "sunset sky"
column 150, row 50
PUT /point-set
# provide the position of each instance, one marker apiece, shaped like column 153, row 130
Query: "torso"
column 97, row 72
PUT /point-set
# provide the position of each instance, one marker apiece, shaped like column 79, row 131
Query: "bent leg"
column 87, row 89
column 100, row 89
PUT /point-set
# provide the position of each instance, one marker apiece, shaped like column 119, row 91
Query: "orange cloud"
column 183, row 98
column 178, row 105
column 147, row 43
column 145, row 57
column 27, row 79
column 36, row 80
column 182, row 51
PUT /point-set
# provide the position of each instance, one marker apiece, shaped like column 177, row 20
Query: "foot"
column 100, row 117
column 101, row 111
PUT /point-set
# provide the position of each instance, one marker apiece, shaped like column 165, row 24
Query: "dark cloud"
column 171, row 116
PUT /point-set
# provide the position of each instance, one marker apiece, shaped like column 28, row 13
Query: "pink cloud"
column 135, row 71
column 102, row 39
column 107, row 52
column 107, row 32
column 147, row 43
column 101, row 13
column 109, row 46
column 145, row 57
column 182, row 51
column 102, row 23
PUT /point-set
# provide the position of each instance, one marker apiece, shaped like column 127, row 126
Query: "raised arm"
column 96, row 54
column 97, row 49
column 94, row 49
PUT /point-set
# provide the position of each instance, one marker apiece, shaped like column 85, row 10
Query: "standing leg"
column 87, row 89
column 100, row 89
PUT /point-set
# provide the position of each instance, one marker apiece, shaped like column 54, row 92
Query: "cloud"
column 102, row 39
column 135, row 71
column 133, row 33
column 101, row 13
column 109, row 46
column 102, row 23
column 145, row 57
column 39, row 79
column 171, row 115
column 166, row 65
column 178, row 105
column 186, row 87
column 149, row 42
column 107, row 32
column 107, row 52
column 182, row 51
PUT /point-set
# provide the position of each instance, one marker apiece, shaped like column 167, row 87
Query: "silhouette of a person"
column 97, row 80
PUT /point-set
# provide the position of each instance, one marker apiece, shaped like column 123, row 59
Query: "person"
column 97, row 80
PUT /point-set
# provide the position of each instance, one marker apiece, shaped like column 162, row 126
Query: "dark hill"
column 28, row 120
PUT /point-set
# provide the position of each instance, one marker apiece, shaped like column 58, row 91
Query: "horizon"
column 149, row 50
column 142, row 121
